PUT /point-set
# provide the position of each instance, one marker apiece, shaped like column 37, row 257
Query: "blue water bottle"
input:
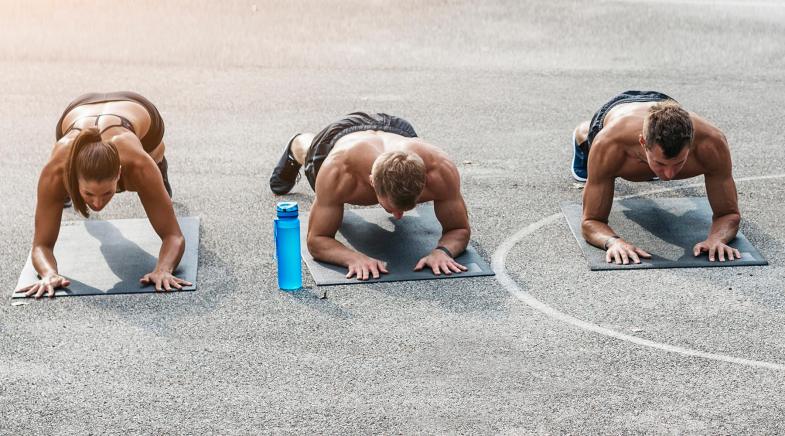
column 287, row 246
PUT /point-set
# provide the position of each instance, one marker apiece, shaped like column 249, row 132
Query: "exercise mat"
column 109, row 257
column 666, row 228
column 400, row 243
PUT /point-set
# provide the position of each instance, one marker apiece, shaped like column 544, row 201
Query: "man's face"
column 385, row 202
column 664, row 167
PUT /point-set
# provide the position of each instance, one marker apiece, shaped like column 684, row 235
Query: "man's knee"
column 300, row 146
column 582, row 132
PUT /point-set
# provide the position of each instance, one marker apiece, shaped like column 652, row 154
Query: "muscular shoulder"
column 336, row 181
column 127, row 143
column 609, row 152
column 442, row 177
column 55, row 166
column 710, row 146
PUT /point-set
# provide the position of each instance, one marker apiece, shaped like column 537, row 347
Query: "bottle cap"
column 287, row 209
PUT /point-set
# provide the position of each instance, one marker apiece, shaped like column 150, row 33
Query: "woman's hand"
column 47, row 284
column 163, row 281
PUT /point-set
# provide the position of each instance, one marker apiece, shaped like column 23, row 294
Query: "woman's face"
column 97, row 193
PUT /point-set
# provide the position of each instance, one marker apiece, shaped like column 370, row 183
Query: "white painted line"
column 498, row 265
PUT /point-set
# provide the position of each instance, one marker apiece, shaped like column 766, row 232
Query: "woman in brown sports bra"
column 106, row 143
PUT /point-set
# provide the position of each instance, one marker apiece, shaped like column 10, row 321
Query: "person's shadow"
column 411, row 238
column 682, row 230
column 126, row 259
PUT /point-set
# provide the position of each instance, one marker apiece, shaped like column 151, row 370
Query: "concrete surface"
column 500, row 85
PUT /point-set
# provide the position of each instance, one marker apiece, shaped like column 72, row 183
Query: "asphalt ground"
column 545, row 347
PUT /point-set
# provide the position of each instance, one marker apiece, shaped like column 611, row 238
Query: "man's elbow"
column 465, row 234
column 586, row 228
column 312, row 242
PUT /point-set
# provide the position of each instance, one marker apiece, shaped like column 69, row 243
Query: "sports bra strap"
column 124, row 123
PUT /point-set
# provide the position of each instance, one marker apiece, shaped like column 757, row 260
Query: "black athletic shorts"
column 325, row 140
column 625, row 97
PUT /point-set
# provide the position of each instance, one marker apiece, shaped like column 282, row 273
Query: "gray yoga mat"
column 400, row 243
column 109, row 257
column 666, row 228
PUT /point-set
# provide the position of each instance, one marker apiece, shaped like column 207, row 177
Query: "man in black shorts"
column 640, row 136
column 367, row 159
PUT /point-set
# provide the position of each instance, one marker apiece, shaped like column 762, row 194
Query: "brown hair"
column 400, row 176
column 669, row 126
column 90, row 159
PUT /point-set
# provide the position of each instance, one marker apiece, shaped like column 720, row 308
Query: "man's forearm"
column 326, row 249
column 597, row 233
column 724, row 228
column 172, row 249
column 455, row 240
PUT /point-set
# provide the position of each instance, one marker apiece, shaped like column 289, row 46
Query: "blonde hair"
column 90, row 159
column 399, row 176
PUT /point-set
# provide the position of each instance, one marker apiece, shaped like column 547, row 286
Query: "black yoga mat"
column 400, row 243
column 666, row 228
column 109, row 257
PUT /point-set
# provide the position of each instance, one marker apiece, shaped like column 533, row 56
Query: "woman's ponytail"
column 90, row 159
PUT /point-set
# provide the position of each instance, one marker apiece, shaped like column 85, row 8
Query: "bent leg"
column 160, row 159
column 286, row 171
column 158, row 152
column 300, row 146
column 580, row 152
column 582, row 132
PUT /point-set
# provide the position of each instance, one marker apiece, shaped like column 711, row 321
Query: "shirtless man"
column 640, row 135
column 367, row 159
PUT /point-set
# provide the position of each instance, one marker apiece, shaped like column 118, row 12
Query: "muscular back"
column 132, row 111
column 344, row 176
column 616, row 150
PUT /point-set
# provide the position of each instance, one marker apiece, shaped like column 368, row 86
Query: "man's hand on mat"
column 364, row 267
column 440, row 262
column 163, row 281
column 46, row 284
column 622, row 252
column 718, row 248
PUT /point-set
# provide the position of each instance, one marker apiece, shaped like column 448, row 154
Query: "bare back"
column 619, row 153
column 344, row 176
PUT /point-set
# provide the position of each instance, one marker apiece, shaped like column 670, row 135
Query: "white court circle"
column 498, row 265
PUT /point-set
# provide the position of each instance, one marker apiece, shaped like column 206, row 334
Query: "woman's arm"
column 146, row 178
column 48, row 214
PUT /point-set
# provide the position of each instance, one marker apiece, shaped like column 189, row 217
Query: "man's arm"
column 324, row 221
column 721, row 190
column 451, row 212
column 604, row 162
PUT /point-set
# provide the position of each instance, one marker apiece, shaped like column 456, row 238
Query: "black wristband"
column 444, row 249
